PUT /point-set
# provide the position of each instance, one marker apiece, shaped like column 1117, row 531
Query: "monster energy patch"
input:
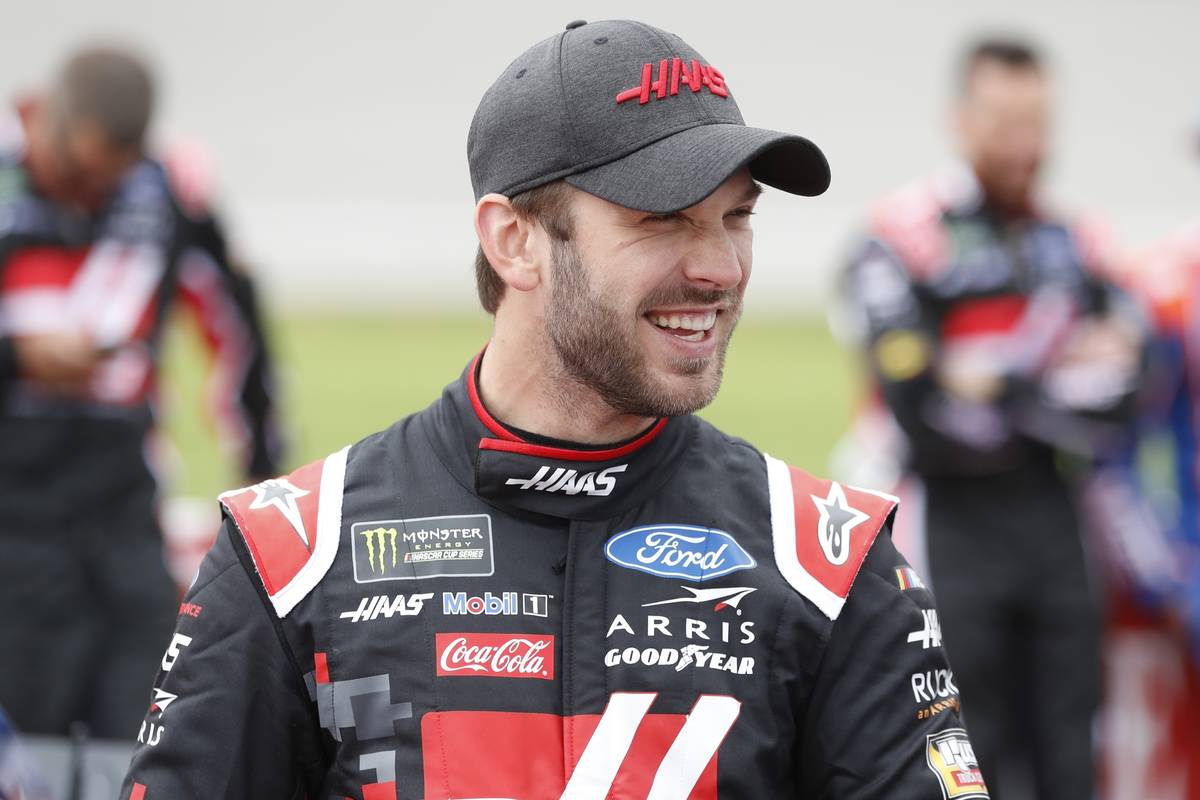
column 427, row 547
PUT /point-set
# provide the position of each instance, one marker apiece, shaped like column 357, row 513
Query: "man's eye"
column 745, row 213
column 662, row 217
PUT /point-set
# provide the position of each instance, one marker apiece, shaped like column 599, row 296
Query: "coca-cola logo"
column 496, row 655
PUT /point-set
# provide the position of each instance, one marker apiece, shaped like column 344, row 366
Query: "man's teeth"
column 690, row 322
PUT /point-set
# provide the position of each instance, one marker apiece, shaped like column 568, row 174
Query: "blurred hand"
column 1109, row 341
column 970, row 374
column 61, row 362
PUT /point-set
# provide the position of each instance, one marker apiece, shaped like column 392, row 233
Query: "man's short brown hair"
column 109, row 87
column 550, row 206
column 1013, row 53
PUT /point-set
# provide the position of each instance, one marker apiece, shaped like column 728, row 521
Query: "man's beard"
column 600, row 350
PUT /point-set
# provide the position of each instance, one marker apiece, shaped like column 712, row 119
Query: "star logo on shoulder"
column 837, row 520
column 282, row 494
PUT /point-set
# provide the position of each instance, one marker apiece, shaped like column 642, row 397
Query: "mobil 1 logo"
column 423, row 547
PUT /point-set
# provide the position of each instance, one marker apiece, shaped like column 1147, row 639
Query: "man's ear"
column 514, row 246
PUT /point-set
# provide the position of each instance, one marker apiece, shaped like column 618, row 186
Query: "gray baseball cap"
column 628, row 113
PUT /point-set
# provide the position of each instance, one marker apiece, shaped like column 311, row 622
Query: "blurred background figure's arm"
column 221, row 296
column 947, row 416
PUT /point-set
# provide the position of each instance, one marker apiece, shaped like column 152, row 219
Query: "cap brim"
column 682, row 169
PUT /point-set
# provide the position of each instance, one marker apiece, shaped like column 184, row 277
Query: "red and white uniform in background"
column 81, row 551
column 1153, row 717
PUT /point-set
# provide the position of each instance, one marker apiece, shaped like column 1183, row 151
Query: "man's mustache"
column 691, row 296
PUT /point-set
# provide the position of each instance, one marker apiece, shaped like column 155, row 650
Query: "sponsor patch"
column 933, row 685
column 706, row 644
column 907, row 578
column 569, row 481
column 178, row 642
column 426, row 547
column 504, row 604
column 725, row 631
column 950, row 756
column 151, row 732
column 698, row 656
column 495, row 655
column 902, row 354
column 382, row 605
column 720, row 598
column 678, row 551
column 933, row 709
column 190, row 610
column 162, row 700
column 930, row 635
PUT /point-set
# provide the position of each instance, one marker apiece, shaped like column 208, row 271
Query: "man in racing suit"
column 556, row 581
column 996, row 350
column 95, row 247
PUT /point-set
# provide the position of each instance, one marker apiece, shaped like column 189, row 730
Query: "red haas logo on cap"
column 693, row 75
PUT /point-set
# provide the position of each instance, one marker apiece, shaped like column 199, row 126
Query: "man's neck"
column 517, row 389
column 1005, row 207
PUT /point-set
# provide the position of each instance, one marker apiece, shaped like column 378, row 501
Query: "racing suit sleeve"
column 883, row 719
column 229, row 713
column 223, row 301
column 896, row 325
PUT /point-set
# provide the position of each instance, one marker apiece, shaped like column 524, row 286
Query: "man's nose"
column 714, row 262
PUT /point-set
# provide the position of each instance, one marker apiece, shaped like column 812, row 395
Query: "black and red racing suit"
column 449, row 610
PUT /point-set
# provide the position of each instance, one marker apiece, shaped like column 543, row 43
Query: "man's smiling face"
column 642, row 306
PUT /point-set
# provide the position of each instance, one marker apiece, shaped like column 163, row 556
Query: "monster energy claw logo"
column 422, row 547
column 378, row 540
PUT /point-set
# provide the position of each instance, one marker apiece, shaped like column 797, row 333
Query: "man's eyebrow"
column 752, row 193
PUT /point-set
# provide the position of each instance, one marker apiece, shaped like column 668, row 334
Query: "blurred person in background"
column 994, row 349
column 95, row 247
column 1154, row 639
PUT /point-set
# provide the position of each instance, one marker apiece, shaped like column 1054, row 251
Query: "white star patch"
column 838, row 518
column 282, row 494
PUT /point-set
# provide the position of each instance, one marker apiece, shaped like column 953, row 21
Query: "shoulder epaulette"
column 291, row 526
column 822, row 531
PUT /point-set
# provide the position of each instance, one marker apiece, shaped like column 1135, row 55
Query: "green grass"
column 787, row 386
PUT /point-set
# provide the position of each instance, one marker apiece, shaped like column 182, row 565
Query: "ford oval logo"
column 678, row 551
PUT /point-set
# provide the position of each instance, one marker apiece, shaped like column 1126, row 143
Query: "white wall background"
column 340, row 128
